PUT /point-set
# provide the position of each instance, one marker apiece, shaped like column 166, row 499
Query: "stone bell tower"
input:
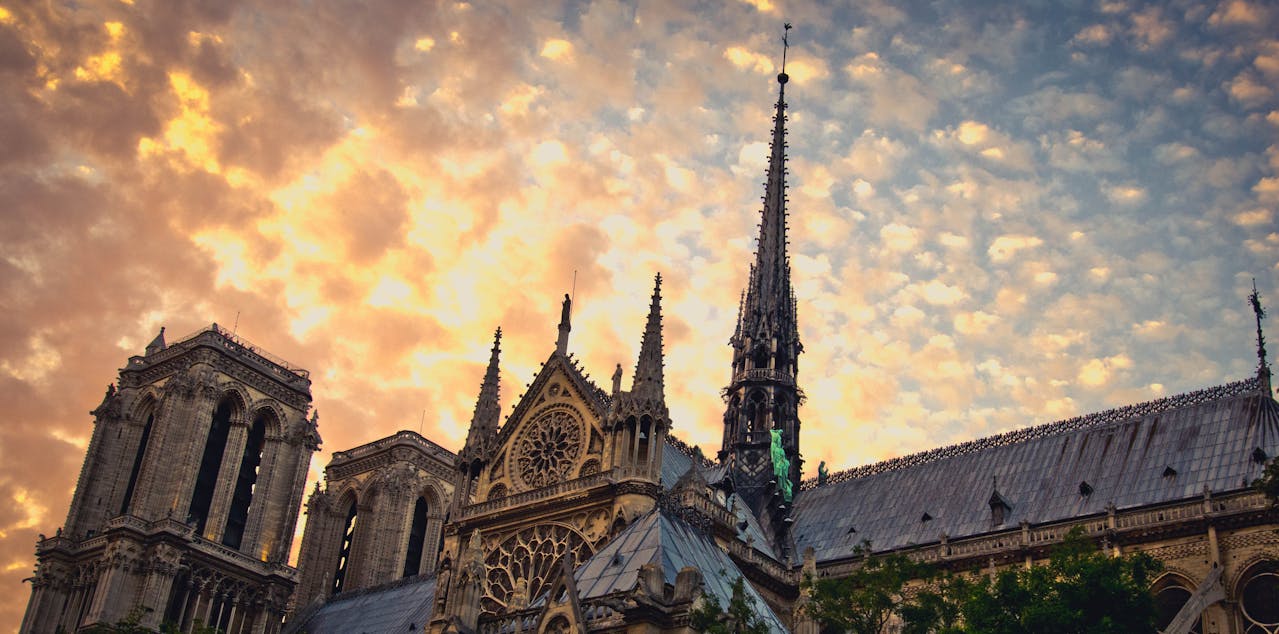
column 186, row 504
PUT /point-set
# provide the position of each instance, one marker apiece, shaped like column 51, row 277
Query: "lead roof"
column 1208, row 438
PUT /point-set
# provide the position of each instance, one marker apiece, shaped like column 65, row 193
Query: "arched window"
column 344, row 554
column 417, row 535
column 1168, row 602
column 210, row 464
column 645, row 436
column 137, row 464
column 238, row 516
column 1259, row 600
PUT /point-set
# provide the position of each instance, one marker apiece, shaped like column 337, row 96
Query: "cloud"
column 1005, row 248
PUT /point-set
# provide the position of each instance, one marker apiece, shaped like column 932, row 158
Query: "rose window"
column 548, row 449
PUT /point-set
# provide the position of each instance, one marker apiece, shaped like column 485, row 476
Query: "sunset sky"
column 999, row 217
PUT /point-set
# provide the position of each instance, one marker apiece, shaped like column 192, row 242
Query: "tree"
column 739, row 618
column 865, row 601
column 1268, row 483
column 1080, row 591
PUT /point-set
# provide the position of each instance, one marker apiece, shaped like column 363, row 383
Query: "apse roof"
column 1145, row 454
column 403, row 606
column 661, row 538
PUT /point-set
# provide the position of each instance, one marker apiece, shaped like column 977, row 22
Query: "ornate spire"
column 488, row 409
column 769, row 310
column 648, row 379
column 1263, row 368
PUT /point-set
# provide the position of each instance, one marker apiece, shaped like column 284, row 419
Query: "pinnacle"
column 648, row 370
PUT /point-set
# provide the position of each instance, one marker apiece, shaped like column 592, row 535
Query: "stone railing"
column 234, row 345
column 1112, row 524
column 403, row 436
column 764, row 374
column 554, row 491
column 173, row 527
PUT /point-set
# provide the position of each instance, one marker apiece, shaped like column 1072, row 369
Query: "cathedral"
column 581, row 511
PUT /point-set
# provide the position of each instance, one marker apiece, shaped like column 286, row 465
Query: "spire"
column 648, row 379
column 488, row 410
column 157, row 344
column 561, row 344
column 1263, row 368
column 769, row 310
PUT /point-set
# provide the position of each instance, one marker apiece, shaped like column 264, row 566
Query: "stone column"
column 157, row 583
column 255, row 544
column 293, row 501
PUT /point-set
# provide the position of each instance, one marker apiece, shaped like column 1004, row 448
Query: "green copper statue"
column 822, row 473
column 781, row 466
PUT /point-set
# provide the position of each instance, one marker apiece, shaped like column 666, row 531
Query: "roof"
column 658, row 537
column 399, row 607
column 1141, row 455
column 677, row 457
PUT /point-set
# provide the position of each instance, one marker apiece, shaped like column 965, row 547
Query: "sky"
column 1001, row 214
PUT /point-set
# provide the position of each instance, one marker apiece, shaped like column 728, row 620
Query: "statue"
column 568, row 304
column 781, row 465
column 822, row 473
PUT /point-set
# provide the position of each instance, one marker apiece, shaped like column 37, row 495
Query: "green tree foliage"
column 739, row 618
column 1079, row 591
column 865, row 601
column 131, row 624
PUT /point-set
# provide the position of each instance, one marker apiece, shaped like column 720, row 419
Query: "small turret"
column 156, row 344
column 639, row 419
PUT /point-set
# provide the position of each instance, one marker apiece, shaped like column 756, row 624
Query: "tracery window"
column 548, row 449
column 520, row 567
column 1259, row 602
column 1168, row 602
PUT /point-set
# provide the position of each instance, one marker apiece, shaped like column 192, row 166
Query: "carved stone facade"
column 377, row 519
column 187, row 500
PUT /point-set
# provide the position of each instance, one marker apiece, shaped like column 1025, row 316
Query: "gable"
column 554, row 434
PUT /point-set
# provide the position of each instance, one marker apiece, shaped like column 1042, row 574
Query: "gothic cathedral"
column 582, row 512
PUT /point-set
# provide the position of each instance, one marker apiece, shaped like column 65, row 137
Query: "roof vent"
column 926, row 518
column 1085, row 489
column 1169, row 472
column 851, row 530
column 999, row 508
column 1259, row 455
column 617, row 559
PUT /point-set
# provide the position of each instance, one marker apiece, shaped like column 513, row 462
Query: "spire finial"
column 1263, row 369
column 783, row 77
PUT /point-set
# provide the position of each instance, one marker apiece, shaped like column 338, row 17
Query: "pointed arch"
column 144, row 410
column 348, row 509
column 416, row 537
column 264, row 418
column 224, row 414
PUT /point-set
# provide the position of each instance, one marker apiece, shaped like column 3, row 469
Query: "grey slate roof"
column 382, row 609
column 659, row 537
column 1207, row 437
